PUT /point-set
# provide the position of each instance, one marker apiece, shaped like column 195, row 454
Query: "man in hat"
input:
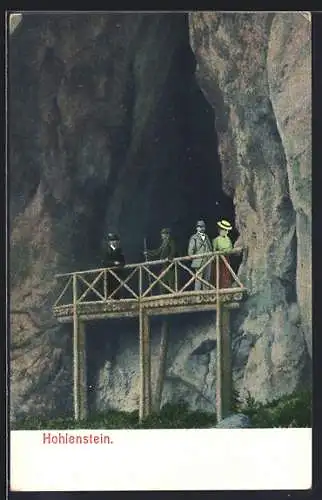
column 199, row 243
column 114, row 255
column 113, row 258
column 223, row 244
column 166, row 250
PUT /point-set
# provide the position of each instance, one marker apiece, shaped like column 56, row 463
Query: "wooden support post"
column 142, row 373
column 223, row 372
column 82, row 371
column 75, row 350
column 226, row 364
column 79, row 361
column 162, row 366
column 219, row 380
column 145, row 366
column 105, row 284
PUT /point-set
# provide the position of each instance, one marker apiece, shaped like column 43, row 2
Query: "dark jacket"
column 113, row 256
column 167, row 250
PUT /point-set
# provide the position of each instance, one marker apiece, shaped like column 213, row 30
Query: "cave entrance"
column 181, row 182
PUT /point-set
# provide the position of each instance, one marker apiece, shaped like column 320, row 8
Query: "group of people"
column 199, row 243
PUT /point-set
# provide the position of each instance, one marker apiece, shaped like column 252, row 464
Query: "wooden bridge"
column 142, row 290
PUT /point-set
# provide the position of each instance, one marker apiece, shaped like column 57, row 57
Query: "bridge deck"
column 187, row 302
column 138, row 291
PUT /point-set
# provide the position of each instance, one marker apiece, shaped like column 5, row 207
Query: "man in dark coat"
column 113, row 254
column 113, row 257
column 167, row 250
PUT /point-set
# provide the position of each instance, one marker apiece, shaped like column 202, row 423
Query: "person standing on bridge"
column 113, row 258
column 166, row 250
column 200, row 243
column 223, row 244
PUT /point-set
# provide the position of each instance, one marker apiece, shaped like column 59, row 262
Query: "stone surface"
column 102, row 110
column 237, row 421
column 290, row 80
column 191, row 362
column 104, row 137
column 255, row 71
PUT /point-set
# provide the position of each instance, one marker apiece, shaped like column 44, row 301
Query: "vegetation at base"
column 293, row 410
column 288, row 411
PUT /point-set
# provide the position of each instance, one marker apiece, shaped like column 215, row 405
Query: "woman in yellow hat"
column 223, row 244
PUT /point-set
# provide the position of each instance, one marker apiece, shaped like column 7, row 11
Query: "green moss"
column 288, row 411
column 294, row 410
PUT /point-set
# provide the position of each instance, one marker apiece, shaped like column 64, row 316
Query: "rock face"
column 238, row 421
column 255, row 71
column 110, row 131
column 105, row 136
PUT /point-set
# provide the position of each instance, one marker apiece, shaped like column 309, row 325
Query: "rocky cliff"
column 109, row 130
column 255, row 70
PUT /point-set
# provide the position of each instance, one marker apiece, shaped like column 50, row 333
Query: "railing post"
column 140, row 281
column 82, row 370
column 223, row 375
column 105, row 284
column 176, row 276
column 141, row 355
column 75, row 351
column 226, row 363
column 219, row 348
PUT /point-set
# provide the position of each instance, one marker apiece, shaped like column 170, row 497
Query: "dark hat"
column 112, row 237
column 165, row 230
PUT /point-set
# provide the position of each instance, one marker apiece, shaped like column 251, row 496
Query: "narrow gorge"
column 132, row 122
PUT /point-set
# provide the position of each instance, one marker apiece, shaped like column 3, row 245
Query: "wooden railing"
column 138, row 281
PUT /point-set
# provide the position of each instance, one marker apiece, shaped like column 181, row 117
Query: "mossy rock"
column 288, row 411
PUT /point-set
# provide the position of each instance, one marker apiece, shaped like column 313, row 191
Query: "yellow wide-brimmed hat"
column 224, row 224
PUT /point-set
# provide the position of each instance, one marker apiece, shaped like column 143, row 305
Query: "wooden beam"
column 226, row 363
column 157, row 311
column 224, row 367
column 145, row 366
column 75, row 352
column 82, row 377
column 142, row 372
column 162, row 366
column 219, row 347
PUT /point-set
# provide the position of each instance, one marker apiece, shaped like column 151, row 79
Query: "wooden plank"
column 64, row 290
column 158, row 311
column 82, row 377
column 123, row 283
column 147, row 364
column 90, row 286
column 232, row 272
column 218, row 349
column 158, row 279
column 162, row 366
column 236, row 250
column 223, row 360
column 65, row 314
column 196, row 275
column 226, row 364
column 75, row 352
column 142, row 366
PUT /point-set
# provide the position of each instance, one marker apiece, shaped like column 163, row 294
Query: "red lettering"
column 46, row 436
